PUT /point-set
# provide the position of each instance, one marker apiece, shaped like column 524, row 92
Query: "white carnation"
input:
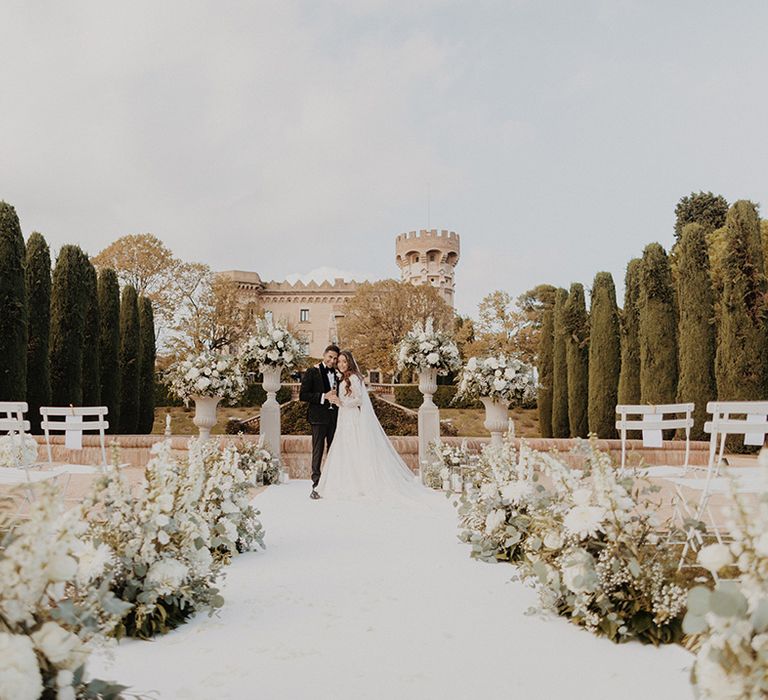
column 584, row 521
column 515, row 491
column 19, row 672
column 166, row 575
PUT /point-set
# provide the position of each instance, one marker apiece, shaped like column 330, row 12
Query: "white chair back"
column 74, row 418
column 12, row 421
column 646, row 417
column 753, row 425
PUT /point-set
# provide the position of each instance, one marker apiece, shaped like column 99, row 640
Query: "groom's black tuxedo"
column 321, row 414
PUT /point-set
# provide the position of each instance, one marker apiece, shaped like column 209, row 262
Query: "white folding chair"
column 651, row 423
column 12, row 422
column 753, row 426
column 75, row 420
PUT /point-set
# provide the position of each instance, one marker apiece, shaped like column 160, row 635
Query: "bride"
column 361, row 461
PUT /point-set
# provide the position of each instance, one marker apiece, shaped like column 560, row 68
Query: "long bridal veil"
column 392, row 476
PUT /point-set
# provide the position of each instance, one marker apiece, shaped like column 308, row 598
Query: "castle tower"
column 429, row 257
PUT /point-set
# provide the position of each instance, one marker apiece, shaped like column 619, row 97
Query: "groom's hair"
column 332, row 348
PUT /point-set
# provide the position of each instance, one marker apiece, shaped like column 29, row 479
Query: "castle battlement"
column 428, row 233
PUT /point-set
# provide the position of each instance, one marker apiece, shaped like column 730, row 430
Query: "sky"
column 281, row 137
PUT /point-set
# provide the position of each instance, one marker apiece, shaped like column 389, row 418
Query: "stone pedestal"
column 205, row 414
column 429, row 414
column 496, row 418
column 269, row 418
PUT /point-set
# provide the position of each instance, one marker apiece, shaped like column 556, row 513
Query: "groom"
column 318, row 389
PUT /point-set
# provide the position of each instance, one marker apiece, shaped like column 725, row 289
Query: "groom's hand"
column 330, row 396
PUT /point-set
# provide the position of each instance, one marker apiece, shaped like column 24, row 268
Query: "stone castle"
column 313, row 309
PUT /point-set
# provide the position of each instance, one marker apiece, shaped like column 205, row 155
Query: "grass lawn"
column 469, row 422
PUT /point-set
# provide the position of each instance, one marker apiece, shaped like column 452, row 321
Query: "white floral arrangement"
column 498, row 377
column 161, row 540
column 424, row 347
column 586, row 539
column 52, row 609
column 260, row 462
column 17, row 450
column 272, row 346
column 225, row 500
column 208, row 374
column 731, row 622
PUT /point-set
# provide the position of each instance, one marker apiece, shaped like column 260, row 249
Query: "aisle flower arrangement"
column 225, row 499
column 17, row 450
column 258, row 460
column 272, row 345
column 53, row 610
column 498, row 377
column 161, row 541
column 731, row 622
column 208, row 374
column 585, row 539
column 424, row 347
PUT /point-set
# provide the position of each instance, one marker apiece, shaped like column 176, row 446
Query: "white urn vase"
column 205, row 414
column 429, row 414
column 496, row 418
column 269, row 418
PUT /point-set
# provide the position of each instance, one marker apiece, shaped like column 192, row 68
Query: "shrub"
column 629, row 377
column 13, row 307
column 546, row 369
column 146, row 366
column 560, row 427
column 91, row 333
column 604, row 357
column 576, row 331
column 129, row 360
column 39, row 305
column 109, row 345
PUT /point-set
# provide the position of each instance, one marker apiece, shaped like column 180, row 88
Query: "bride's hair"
column 352, row 368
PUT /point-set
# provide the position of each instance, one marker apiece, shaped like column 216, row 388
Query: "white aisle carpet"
column 371, row 600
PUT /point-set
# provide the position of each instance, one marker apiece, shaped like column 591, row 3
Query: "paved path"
column 371, row 600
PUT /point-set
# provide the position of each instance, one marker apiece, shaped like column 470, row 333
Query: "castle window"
column 304, row 315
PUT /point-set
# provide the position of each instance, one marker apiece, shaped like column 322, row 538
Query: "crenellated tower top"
column 429, row 257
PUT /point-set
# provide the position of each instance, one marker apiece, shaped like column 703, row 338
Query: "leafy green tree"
column 560, row 425
column 576, row 327
column 629, row 378
column 68, row 306
column 696, row 329
column 109, row 345
column 741, row 364
column 13, row 307
column 91, row 333
column 546, row 369
column 129, row 360
column 703, row 208
column 39, row 305
column 604, row 357
column 146, row 366
column 657, row 328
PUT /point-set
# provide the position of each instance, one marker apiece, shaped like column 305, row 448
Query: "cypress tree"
column 129, row 360
column 742, row 345
column 576, row 327
column 560, row 427
column 109, row 345
column 546, row 368
column 695, row 329
column 13, row 307
column 629, row 378
column 39, row 306
column 701, row 208
column 146, row 366
column 67, row 327
column 657, row 328
column 604, row 357
column 91, row 374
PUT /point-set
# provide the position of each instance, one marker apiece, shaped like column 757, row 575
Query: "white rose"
column 488, row 491
column 203, row 383
column 492, row 362
column 509, row 373
column 472, row 364
column 578, row 569
column 433, row 358
column 714, row 557
column 494, row 520
column 584, row 521
column 553, row 540
column 165, row 502
column 277, row 335
column 273, row 355
column 445, row 473
column 193, row 373
column 280, row 344
column 499, row 384
column 61, row 567
column 55, row 642
column 19, row 673
column 515, row 491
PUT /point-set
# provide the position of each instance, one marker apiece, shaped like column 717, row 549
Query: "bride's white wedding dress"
column 361, row 462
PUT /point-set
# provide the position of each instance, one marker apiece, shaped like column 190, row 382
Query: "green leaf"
column 728, row 603
column 699, row 600
column 694, row 624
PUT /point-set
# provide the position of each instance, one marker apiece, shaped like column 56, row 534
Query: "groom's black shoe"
column 314, row 495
